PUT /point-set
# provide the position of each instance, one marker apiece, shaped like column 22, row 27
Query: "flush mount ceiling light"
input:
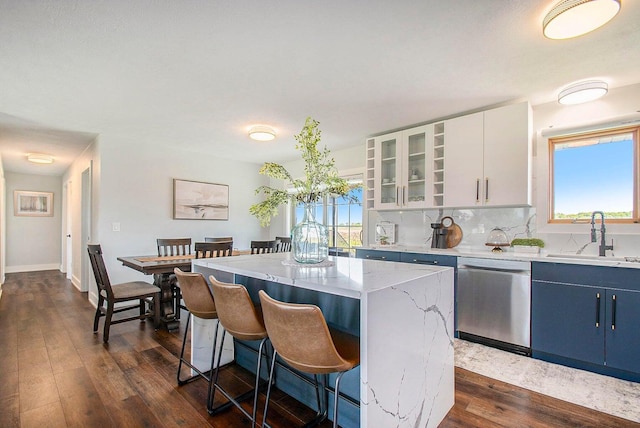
column 39, row 158
column 572, row 18
column 262, row 133
column 582, row 92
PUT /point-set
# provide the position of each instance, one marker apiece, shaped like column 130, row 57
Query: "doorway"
column 85, row 232
column 67, row 252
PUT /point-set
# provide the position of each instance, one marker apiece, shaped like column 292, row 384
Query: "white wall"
column 33, row 242
column 136, row 190
column 73, row 179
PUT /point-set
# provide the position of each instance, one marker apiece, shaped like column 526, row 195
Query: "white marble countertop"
column 509, row 254
column 348, row 276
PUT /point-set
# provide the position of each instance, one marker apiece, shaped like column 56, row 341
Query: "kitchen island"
column 402, row 313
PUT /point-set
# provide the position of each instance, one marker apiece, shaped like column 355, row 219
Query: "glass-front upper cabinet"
column 416, row 166
column 402, row 169
column 388, row 166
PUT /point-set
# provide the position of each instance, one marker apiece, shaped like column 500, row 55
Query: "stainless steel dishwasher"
column 494, row 303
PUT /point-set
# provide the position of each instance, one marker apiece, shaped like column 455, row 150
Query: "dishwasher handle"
column 494, row 265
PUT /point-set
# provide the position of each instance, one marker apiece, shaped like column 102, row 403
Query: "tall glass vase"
column 309, row 239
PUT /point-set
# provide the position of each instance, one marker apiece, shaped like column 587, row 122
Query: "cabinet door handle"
column 477, row 190
column 486, row 189
column 403, row 192
column 598, row 310
column 376, row 257
column 397, row 195
column 613, row 312
column 425, row 262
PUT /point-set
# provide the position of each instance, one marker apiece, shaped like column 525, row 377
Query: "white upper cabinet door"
column 388, row 166
column 417, row 167
column 507, row 155
column 463, row 171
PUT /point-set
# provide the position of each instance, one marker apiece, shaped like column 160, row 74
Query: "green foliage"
column 320, row 179
column 583, row 215
column 531, row 242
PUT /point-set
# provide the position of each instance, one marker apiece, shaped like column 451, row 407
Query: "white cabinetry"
column 403, row 169
column 489, row 158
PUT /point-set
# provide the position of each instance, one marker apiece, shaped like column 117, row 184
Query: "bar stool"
column 200, row 303
column 241, row 319
column 300, row 335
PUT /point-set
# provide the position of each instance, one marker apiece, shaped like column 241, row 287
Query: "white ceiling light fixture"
column 583, row 92
column 572, row 18
column 39, row 158
column 262, row 133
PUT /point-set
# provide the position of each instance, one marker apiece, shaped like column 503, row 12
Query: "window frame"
column 635, row 131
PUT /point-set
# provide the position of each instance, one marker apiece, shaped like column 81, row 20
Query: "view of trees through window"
column 594, row 172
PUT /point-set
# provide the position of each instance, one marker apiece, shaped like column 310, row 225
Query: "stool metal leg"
column 266, row 403
column 336, row 396
column 236, row 400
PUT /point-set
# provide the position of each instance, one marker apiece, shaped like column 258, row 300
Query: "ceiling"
column 197, row 74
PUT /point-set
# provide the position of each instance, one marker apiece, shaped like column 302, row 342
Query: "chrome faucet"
column 603, row 247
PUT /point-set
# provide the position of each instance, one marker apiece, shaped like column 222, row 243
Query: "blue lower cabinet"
column 622, row 348
column 587, row 317
column 387, row 256
column 568, row 320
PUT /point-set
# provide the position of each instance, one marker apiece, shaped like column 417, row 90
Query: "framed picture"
column 195, row 200
column 32, row 204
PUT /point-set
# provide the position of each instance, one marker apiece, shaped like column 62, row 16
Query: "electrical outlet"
column 115, row 227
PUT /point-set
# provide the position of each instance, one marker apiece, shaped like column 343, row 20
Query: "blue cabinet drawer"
column 597, row 276
column 388, row 256
column 429, row 259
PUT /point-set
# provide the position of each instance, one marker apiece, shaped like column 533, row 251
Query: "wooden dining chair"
column 110, row 294
column 173, row 246
column 264, row 247
column 207, row 250
column 285, row 244
column 204, row 250
column 168, row 247
column 219, row 239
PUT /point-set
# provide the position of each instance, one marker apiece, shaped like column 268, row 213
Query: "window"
column 595, row 171
column 343, row 219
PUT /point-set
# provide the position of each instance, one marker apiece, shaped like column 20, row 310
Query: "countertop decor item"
column 497, row 239
column 309, row 239
column 454, row 231
column 527, row 245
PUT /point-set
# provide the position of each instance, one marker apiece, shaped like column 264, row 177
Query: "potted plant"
column 309, row 239
column 527, row 245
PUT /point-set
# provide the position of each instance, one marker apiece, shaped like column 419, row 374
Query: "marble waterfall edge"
column 422, row 344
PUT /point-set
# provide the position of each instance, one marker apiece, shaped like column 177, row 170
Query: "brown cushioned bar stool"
column 200, row 303
column 241, row 319
column 300, row 336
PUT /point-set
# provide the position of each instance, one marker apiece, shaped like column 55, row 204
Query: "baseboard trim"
column 32, row 268
column 76, row 282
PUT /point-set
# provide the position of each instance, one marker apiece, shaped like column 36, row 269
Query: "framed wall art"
column 195, row 200
column 32, row 204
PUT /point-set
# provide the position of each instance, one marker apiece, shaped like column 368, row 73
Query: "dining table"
column 161, row 267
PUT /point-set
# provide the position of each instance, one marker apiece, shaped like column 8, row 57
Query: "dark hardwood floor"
column 54, row 372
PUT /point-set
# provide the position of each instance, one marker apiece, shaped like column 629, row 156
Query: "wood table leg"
column 167, row 314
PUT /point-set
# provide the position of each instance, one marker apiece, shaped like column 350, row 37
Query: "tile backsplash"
column 414, row 229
